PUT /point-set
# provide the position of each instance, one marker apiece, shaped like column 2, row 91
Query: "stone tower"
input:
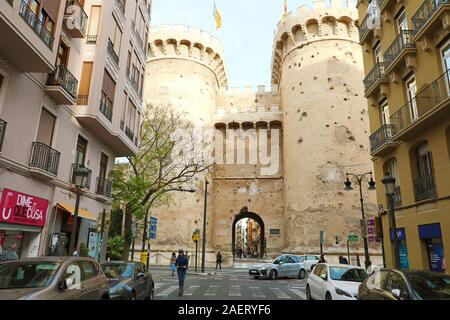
column 317, row 67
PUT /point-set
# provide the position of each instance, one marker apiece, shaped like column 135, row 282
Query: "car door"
column 322, row 284
column 284, row 266
column 72, row 277
column 395, row 281
column 294, row 266
column 140, row 282
column 313, row 281
column 90, row 285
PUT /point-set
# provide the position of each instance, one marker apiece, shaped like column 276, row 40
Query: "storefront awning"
column 81, row 212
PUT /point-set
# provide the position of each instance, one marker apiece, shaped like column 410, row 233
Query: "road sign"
column 153, row 228
column 352, row 238
column 196, row 235
column 371, row 231
column 152, row 235
column 322, row 240
column 153, row 220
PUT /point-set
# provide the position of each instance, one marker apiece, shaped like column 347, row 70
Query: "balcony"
column 106, row 110
column 380, row 140
column 2, row 132
column 139, row 43
column 62, row 86
column 29, row 43
column 77, row 166
column 367, row 30
column 375, row 78
column 104, row 187
column 402, row 49
column 44, row 159
column 424, row 188
column 429, row 105
column 432, row 17
column 75, row 19
column 112, row 54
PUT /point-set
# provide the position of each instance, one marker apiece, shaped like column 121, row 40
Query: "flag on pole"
column 217, row 17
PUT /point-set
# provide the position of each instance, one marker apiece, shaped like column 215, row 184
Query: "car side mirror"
column 140, row 275
column 396, row 293
column 281, row 262
column 324, row 277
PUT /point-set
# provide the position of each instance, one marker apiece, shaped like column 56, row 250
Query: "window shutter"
column 52, row 8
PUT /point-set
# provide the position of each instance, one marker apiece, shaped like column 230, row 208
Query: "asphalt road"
column 229, row 284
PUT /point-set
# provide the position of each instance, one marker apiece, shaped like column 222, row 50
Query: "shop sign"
column 21, row 208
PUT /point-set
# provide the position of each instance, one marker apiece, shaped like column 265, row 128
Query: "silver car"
column 285, row 266
column 53, row 278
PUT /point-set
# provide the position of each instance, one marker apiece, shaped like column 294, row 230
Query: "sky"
column 246, row 34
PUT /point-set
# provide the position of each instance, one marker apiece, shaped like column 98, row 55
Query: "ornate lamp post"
column 204, row 227
column 359, row 179
column 80, row 174
column 389, row 184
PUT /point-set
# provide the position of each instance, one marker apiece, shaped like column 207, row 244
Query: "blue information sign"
column 153, row 228
column 152, row 235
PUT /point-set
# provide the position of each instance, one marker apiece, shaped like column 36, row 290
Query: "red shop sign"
column 22, row 208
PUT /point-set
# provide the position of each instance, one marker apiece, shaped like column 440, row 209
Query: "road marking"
column 167, row 291
column 235, row 291
column 257, row 292
column 299, row 293
column 280, row 294
column 191, row 290
column 212, row 291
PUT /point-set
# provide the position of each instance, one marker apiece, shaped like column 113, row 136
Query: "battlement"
column 188, row 43
column 246, row 91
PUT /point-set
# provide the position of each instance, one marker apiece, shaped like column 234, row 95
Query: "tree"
column 170, row 155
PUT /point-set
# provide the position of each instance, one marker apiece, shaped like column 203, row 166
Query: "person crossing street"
column 182, row 266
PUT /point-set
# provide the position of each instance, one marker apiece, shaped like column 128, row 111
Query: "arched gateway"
column 244, row 213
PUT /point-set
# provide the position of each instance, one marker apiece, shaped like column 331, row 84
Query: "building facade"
column 71, row 80
column 406, row 60
column 281, row 154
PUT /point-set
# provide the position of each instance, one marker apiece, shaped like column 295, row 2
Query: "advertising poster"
column 22, row 208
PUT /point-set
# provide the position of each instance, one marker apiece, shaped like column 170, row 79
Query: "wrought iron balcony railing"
column 425, row 101
column 112, row 52
column 11, row 2
column 3, row 124
column 403, row 41
column 82, row 100
column 87, row 181
column 424, row 188
column 106, row 110
column 73, row 7
column 381, row 136
column 374, row 75
column 363, row 28
column 104, row 187
column 426, row 12
column 64, row 78
column 33, row 21
column 45, row 158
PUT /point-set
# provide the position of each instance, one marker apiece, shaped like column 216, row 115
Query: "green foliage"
column 84, row 251
column 115, row 223
column 115, row 248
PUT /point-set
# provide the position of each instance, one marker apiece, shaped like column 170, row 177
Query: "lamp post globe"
column 389, row 183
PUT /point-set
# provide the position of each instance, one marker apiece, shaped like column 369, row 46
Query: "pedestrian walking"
column 343, row 260
column 322, row 259
column 173, row 261
column 358, row 262
column 182, row 266
column 219, row 260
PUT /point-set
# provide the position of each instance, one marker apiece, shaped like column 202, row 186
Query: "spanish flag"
column 217, row 16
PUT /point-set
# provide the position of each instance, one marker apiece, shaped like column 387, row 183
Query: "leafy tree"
column 115, row 248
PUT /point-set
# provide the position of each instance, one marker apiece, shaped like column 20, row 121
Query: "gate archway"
column 244, row 213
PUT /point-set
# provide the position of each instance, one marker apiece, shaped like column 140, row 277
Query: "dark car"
column 53, row 278
column 129, row 280
column 392, row 284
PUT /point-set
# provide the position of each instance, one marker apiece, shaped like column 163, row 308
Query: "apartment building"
column 407, row 61
column 71, row 80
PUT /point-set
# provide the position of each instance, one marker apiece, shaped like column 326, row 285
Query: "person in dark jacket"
column 219, row 260
column 343, row 260
column 358, row 262
column 182, row 266
column 322, row 259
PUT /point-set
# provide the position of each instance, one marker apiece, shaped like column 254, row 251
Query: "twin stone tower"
column 281, row 155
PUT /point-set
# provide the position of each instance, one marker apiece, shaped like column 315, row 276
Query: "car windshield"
column 118, row 270
column 20, row 275
column 348, row 274
column 431, row 287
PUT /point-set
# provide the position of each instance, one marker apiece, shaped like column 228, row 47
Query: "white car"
column 334, row 282
column 309, row 260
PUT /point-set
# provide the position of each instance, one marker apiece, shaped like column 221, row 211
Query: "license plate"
column 253, row 272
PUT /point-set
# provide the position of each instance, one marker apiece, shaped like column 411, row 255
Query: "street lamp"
column 204, row 227
column 389, row 184
column 80, row 177
column 359, row 179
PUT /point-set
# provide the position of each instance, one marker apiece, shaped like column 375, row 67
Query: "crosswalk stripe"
column 212, row 291
column 280, row 294
column 257, row 292
column 235, row 291
column 191, row 290
column 299, row 293
column 167, row 291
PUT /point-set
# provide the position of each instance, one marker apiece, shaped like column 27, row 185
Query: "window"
column 377, row 280
column 80, row 155
column 47, row 12
column 88, row 270
column 103, row 167
column 396, row 281
column 131, row 117
column 124, row 111
column 85, row 83
column 63, row 55
column 108, row 92
column 411, row 91
column 402, row 22
column 318, row 270
column 392, row 170
column 377, row 53
column 384, row 108
column 94, row 21
column 46, row 128
column 116, row 37
column 445, row 51
column 424, row 161
column 128, row 63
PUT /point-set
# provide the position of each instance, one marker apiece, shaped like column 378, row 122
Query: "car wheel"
column 328, row 296
column 133, row 295
column 302, row 274
column 308, row 293
column 273, row 275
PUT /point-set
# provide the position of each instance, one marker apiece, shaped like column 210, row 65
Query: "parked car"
column 128, row 280
column 53, row 278
column 392, row 284
column 310, row 261
column 288, row 266
column 334, row 282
